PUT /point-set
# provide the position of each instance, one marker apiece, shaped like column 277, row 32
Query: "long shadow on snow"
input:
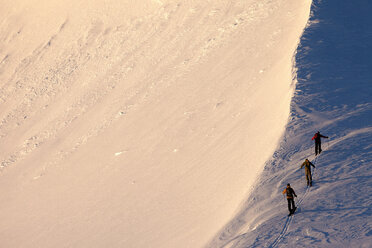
column 328, row 210
column 333, row 95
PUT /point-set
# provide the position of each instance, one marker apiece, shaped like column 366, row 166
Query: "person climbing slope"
column 318, row 148
column 291, row 204
column 307, row 165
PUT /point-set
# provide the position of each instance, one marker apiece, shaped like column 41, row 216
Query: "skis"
column 292, row 211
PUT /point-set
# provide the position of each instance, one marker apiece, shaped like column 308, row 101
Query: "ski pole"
column 328, row 143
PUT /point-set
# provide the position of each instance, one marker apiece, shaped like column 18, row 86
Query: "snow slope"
column 138, row 123
column 333, row 95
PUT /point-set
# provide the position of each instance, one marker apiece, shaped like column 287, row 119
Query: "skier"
column 318, row 148
column 291, row 204
column 309, row 178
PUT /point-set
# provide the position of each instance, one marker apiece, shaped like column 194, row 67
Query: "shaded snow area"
column 145, row 123
column 333, row 95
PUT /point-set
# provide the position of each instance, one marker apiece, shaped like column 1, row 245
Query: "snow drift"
column 138, row 123
column 333, row 95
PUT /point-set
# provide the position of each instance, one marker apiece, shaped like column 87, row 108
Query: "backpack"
column 289, row 192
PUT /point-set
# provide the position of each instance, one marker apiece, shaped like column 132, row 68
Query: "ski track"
column 288, row 222
column 238, row 241
column 135, row 108
column 28, row 95
column 333, row 95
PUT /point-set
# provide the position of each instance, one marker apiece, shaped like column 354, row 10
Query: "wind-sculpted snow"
column 138, row 123
column 333, row 95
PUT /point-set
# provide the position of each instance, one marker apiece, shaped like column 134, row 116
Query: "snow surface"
column 141, row 123
column 333, row 95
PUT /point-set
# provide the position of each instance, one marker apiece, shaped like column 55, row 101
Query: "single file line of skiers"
column 307, row 164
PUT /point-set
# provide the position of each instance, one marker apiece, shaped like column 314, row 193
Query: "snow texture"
column 138, row 123
column 333, row 95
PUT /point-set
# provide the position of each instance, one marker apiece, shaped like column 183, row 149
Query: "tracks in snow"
column 289, row 219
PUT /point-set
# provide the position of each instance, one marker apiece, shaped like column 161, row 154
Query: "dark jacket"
column 317, row 137
column 290, row 192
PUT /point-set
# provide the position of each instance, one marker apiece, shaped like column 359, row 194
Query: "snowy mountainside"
column 138, row 123
column 333, row 95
